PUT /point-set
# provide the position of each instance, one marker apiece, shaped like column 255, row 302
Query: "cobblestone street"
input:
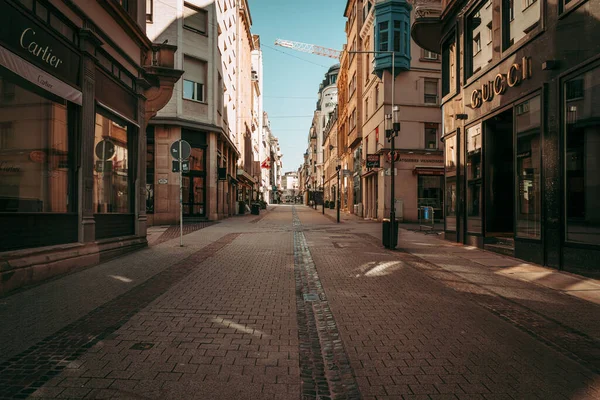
column 292, row 305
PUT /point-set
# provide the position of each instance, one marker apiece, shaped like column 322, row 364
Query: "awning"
column 244, row 177
column 428, row 170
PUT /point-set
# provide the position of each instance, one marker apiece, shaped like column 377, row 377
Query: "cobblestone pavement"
column 291, row 305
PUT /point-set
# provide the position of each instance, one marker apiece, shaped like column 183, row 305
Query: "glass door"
column 194, row 195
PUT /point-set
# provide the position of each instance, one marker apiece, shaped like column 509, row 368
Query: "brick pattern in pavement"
column 228, row 330
column 26, row 372
column 325, row 367
column 173, row 231
column 410, row 336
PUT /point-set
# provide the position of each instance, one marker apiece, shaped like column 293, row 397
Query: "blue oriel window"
column 383, row 36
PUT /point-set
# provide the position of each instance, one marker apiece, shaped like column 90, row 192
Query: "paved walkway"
column 291, row 305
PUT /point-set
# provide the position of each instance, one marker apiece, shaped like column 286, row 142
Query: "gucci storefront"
column 70, row 123
column 522, row 130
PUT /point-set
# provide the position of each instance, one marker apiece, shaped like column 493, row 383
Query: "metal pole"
column 180, row 197
column 392, row 177
column 323, row 204
column 338, row 196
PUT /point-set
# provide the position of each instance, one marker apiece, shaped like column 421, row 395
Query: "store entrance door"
column 194, row 195
column 499, row 176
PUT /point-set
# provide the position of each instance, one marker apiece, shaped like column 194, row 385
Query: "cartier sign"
column 35, row 43
column 516, row 74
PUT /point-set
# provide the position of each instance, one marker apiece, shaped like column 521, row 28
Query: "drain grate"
column 311, row 297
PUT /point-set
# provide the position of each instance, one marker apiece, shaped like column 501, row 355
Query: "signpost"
column 180, row 151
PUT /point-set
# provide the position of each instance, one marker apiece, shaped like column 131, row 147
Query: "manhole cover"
column 311, row 297
column 142, row 346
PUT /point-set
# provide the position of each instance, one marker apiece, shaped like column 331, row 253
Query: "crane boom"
column 309, row 48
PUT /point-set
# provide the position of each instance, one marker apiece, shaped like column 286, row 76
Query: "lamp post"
column 337, row 200
column 308, row 195
column 323, row 203
column 393, row 129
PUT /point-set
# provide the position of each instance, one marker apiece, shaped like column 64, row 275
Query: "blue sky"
column 291, row 80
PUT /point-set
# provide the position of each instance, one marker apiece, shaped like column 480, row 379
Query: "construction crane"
column 309, row 48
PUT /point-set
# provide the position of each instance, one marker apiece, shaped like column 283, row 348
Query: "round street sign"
column 186, row 150
column 105, row 150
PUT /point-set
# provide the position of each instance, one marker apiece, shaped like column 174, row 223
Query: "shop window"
column 111, row 166
column 519, row 17
column 474, row 174
column 449, row 66
column 431, row 136
column 529, row 202
column 582, row 146
column 431, row 91
column 451, row 162
column 430, row 191
column 150, row 151
column 35, row 161
column 7, row 90
column 477, row 55
column 195, row 19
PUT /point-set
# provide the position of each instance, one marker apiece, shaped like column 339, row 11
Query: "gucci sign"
column 517, row 73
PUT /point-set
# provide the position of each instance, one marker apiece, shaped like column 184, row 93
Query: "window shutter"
column 194, row 18
column 195, row 70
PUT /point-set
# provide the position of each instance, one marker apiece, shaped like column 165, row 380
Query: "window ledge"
column 195, row 101
column 431, row 60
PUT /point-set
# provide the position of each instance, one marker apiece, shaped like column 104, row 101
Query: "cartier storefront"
column 70, row 123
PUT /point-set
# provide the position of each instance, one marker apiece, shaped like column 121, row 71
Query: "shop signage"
column 27, row 38
column 517, row 73
column 372, row 160
column 427, row 160
column 525, row 154
column 6, row 167
column 163, row 181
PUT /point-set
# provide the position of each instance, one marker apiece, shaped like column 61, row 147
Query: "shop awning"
column 428, row 170
column 244, row 177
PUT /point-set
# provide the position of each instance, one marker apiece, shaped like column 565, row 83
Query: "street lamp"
column 337, row 169
column 391, row 132
column 393, row 129
column 323, row 194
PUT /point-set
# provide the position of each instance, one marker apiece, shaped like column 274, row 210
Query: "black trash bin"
column 385, row 235
column 255, row 208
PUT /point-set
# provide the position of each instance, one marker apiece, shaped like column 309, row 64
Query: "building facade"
column 78, row 83
column 520, row 125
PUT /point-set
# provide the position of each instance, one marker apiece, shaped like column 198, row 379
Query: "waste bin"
column 385, row 235
column 255, row 208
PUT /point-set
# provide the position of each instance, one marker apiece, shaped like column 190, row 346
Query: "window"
column 529, row 201
column 477, row 55
column 150, row 169
column 149, row 10
column 431, row 91
column 431, row 139
column 366, row 109
column 376, row 97
column 451, row 156
column 582, row 146
column 449, row 66
column 490, row 33
column 383, row 36
column 474, row 175
column 397, row 35
column 193, row 79
column 367, row 67
column 430, row 191
column 518, row 19
column 35, row 170
column 111, row 166
column 195, row 19
column 429, row 55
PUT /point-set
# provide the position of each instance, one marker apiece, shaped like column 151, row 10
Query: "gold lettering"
column 514, row 76
column 488, row 91
column 476, row 99
column 499, row 84
column 34, row 48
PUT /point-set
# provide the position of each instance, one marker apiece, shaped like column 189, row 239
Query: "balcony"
column 426, row 29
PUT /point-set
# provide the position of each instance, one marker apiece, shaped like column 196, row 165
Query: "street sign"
column 105, row 150
column 346, row 172
column 372, row 160
column 186, row 150
column 185, row 166
column 104, row 166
